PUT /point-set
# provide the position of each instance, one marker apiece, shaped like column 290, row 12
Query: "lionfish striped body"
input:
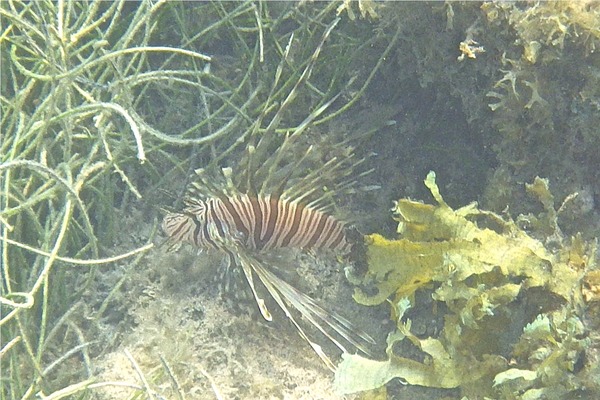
column 257, row 223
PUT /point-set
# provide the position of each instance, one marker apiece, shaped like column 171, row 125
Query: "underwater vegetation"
column 105, row 103
column 108, row 110
column 525, row 106
column 545, row 102
column 518, row 313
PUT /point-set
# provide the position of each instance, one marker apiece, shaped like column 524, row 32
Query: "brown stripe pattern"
column 258, row 223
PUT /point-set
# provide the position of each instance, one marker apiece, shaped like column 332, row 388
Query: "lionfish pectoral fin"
column 264, row 310
column 315, row 314
column 273, row 289
column 171, row 245
column 319, row 352
column 259, row 301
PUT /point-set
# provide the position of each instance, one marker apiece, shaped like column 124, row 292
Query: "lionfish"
column 244, row 226
column 268, row 206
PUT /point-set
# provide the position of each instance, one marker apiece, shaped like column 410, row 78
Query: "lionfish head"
column 195, row 207
column 179, row 227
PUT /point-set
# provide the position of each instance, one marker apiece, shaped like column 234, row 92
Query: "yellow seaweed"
column 438, row 242
column 478, row 264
